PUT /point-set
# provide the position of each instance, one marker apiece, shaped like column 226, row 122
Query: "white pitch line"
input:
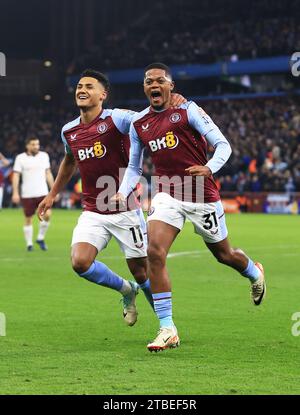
column 184, row 253
column 171, row 255
column 12, row 259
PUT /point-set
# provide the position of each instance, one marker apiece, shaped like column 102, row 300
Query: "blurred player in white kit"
column 34, row 167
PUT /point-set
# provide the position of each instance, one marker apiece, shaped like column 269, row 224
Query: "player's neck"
column 164, row 107
column 161, row 109
column 89, row 114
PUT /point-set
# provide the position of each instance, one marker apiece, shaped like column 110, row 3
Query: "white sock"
column 42, row 230
column 126, row 288
column 28, row 231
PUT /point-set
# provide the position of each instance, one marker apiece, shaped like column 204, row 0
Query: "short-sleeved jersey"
column 174, row 142
column 33, row 171
column 101, row 149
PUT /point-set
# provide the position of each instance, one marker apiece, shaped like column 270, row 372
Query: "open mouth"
column 155, row 94
column 156, row 98
column 82, row 97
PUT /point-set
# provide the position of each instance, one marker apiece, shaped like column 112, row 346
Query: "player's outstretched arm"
column 134, row 170
column 206, row 127
column 49, row 178
column 65, row 172
column 50, row 182
column 15, row 187
column 135, row 165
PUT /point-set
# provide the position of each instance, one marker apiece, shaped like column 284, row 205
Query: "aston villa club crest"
column 175, row 117
column 102, row 128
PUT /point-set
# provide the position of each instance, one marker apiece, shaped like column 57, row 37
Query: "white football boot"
column 167, row 338
column 258, row 288
column 130, row 312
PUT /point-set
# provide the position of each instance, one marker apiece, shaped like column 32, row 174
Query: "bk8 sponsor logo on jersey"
column 170, row 141
column 97, row 150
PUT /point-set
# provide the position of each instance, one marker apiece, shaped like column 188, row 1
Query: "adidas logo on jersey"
column 98, row 150
column 170, row 141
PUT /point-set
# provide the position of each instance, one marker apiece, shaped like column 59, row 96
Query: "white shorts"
column 128, row 228
column 208, row 218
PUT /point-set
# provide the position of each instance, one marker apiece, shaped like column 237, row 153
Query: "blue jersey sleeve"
column 122, row 119
column 135, row 166
column 199, row 120
column 66, row 146
column 202, row 122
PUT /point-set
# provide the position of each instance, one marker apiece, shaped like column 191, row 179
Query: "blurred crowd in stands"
column 43, row 123
column 264, row 135
column 265, row 139
column 203, row 34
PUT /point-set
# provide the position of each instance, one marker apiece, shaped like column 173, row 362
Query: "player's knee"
column 80, row 264
column 138, row 268
column 156, row 255
column 224, row 258
column 140, row 275
column 139, row 272
column 28, row 220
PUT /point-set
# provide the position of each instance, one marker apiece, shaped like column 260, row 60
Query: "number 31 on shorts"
column 210, row 220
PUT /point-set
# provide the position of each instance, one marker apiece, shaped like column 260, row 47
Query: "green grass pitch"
column 66, row 336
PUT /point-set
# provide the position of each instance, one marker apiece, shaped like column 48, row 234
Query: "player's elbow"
column 224, row 151
column 229, row 150
column 225, row 146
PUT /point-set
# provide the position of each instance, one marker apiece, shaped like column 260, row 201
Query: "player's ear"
column 172, row 86
column 104, row 95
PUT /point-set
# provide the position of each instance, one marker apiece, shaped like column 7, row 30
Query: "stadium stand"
column 203, row 35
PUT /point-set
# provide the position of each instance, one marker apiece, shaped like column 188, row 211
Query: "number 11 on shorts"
column 137, row 236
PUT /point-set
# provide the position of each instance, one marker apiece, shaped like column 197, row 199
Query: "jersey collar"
column 102, row 115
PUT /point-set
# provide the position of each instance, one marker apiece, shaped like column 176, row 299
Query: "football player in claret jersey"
column 177, row 141
column 33, row 166
column 97, row 143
